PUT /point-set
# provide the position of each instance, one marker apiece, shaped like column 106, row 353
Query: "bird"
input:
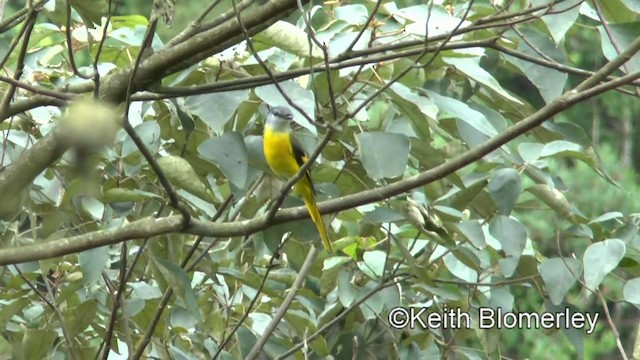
column 285, row 156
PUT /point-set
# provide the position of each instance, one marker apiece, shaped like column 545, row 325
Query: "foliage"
column 443, row 179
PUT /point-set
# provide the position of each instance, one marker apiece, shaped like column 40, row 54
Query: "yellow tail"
column 306, row 191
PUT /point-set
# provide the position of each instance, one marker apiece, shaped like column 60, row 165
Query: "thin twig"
column 302, row 274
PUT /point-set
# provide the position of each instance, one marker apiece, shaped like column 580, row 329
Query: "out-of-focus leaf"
column 389, row 163
column 36, row 343
column 288, row 37
column 550, row 82
column 600, row 259
column 511, row 234
column 472, row 69
column 504, row 188
column 559, row 275
column 92, row 263
column 179, row 282
column 181, row 175
column 561, row 18
column 217, row 108
column 229, row 153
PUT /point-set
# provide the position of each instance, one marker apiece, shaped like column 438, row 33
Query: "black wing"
column 301, row 158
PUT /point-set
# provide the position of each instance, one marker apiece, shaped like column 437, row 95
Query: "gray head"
column 279, row 118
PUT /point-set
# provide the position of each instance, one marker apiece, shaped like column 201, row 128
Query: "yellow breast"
column 279, row 153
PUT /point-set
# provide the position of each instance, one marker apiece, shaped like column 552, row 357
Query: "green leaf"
column 179, row 282
column 600, row 259
column 229, row 153
column 374, row 262
column 217, row 108
column 561, row 147
column 606, row 217
column 561, row 18
column 504, row 188
column 381, row 215
column 145, row 291
column 464, row 113
column 346, row 292
column 554, row 199
column 530, row 152
column 115, row 195
column 93, row 207
column 459, row 269
column 631, row 292
column 288, row 37
column 383, row 155
column 181, row 175
column 149, row 133
column 623, row 35
column 559, row 275
column 78, row 318
column 412, row 102
column 92, row 263
column 511, row 234
column 352, row 14
column 472, row 230
column 471, row 68
column 550, row 82
column 303, row 98
column 9, row 309
column 36, row 343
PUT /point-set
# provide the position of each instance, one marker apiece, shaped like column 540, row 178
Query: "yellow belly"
column 279, row 154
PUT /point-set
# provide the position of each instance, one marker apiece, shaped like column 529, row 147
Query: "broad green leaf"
column 217, row 108
column 550, row 82
column 78, row 318
column 93, row 207
column 346, row 291
column 246, row 340
column 408, row 99
column 182, row 318
column 606, row 217
column 374, row 262
column 125, row 195
column 36, row 343
column 561, row 19
column 382, row 215
column 288, row 37
column 616, row 11
column 559, row 275
column 92, row 263
column 472, row 69
column 560, row 147
column 459, row 269
column 149, row 133
column 600, row 259
column 179, row 282
column 9, row 309
column 463, row 112
column 356, row 14
column 181, row 175
column 145, row 291
column 623, row 35
column 511, row 234
column 631, row 291
column 554, row 199
column 504, row 188
column 302, row 97
column 570, row 132
column 383, row 155
column 472, row 230
column 229, row 153
column 530, row 152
